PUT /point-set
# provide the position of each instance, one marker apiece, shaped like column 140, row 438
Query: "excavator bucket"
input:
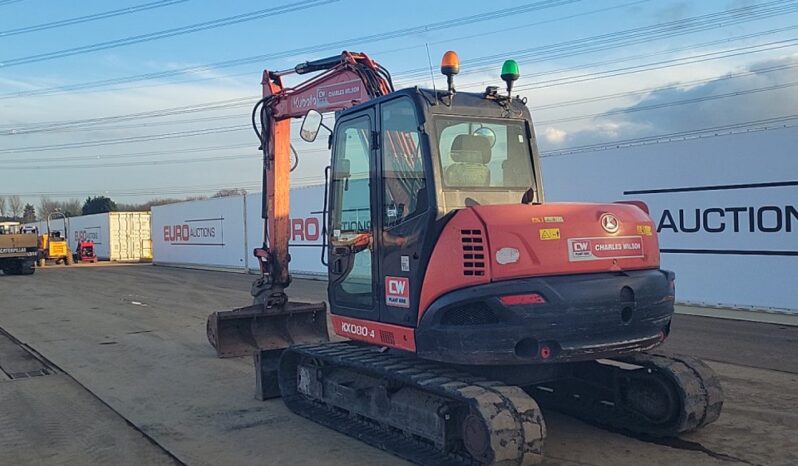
column 249, row 329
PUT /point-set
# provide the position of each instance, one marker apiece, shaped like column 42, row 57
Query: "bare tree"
column 71, row 208
column 2, row 206
column 230, row 192
column 15, row 204
column 46, row 207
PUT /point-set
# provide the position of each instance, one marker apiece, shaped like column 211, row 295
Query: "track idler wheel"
column 651, row 394
column 654, row 399
column 476, row 438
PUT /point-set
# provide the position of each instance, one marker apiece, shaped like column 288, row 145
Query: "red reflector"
column 532, row 298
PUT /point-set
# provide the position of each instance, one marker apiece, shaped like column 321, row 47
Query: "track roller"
column 421, row 411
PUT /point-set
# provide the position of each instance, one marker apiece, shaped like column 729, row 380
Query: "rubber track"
column 702, row 394
column 514, row 419
column 698, row 389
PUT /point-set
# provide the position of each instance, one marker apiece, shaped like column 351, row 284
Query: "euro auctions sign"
column 736, row 219
column 195, row 232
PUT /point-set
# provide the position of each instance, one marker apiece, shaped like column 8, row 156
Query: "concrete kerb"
column 767, row 316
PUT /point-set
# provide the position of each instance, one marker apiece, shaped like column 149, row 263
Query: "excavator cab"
column 402, row 165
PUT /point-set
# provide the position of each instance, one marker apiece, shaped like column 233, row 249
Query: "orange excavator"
column 467, row 301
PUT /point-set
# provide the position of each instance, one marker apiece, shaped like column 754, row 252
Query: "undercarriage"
column 435, row 414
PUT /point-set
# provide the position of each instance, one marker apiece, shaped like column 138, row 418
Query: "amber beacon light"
column 450, row 66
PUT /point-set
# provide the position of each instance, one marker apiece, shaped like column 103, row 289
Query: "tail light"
column 517, row 299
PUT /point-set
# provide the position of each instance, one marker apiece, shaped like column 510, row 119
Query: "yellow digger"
column 53, row 246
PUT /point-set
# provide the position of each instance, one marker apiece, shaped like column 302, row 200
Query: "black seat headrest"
column 470, row 148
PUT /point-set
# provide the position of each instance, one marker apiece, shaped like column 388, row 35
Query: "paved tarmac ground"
column 127, row 343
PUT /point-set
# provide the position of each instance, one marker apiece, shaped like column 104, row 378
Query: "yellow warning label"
column 547, row 234
column 644, row 230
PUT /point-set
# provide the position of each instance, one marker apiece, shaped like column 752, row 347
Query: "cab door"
column 405, row 219
column 351, row 261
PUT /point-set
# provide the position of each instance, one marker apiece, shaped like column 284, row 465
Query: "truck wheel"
column 69, row 260
column 13, row 268
column 27, row 267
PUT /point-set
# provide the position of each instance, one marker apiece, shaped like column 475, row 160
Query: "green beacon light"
column 510, row 74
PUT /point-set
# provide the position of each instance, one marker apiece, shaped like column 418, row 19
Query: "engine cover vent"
column 473, row 252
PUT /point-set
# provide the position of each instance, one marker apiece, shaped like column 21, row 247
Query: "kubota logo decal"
column 610, row 223
column 397, row 291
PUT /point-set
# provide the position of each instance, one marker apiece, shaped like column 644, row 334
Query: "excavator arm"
column 272, row 322
column 347, row 79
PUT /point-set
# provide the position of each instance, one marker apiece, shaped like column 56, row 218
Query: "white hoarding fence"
column 202, row 233
column 725, row 209
column 93, row 228
column 305, row 243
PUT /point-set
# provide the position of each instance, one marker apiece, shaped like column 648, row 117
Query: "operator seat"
column 470, row 155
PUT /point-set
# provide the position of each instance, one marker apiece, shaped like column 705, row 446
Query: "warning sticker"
column 591, row 249
column 397, row 291
column 644, row 230
column 549, row 233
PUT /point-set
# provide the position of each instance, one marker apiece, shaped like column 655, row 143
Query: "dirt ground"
column 132, row 363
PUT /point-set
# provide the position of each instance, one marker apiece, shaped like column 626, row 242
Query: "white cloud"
column 554, row 135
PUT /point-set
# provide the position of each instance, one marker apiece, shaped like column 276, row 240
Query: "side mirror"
column 311, row 125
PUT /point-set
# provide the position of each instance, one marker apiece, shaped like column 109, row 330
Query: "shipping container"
column 117, row 236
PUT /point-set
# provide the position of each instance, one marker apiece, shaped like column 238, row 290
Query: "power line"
column 50, row 126
column 448, row 40
column 699, row 58
column 216, row 23
column 586, row 77
column 191, row 150
column 246, row 101
column 556, row 46
column 729, row 129
column 126, row 140
column 604, row 42
column 168, row 190
column 88, row 18
column 204, row 106
column 648, row 90
column 733, row 128
column 671, row 103
column 8, row 2
column 430, row 27
column 542, row 122
column 254, row 155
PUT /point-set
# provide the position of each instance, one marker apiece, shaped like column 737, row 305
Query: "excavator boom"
column 345, row 80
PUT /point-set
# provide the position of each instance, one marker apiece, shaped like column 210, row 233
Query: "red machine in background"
column 85, row 252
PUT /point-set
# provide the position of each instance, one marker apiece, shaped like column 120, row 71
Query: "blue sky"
column 686, row 65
